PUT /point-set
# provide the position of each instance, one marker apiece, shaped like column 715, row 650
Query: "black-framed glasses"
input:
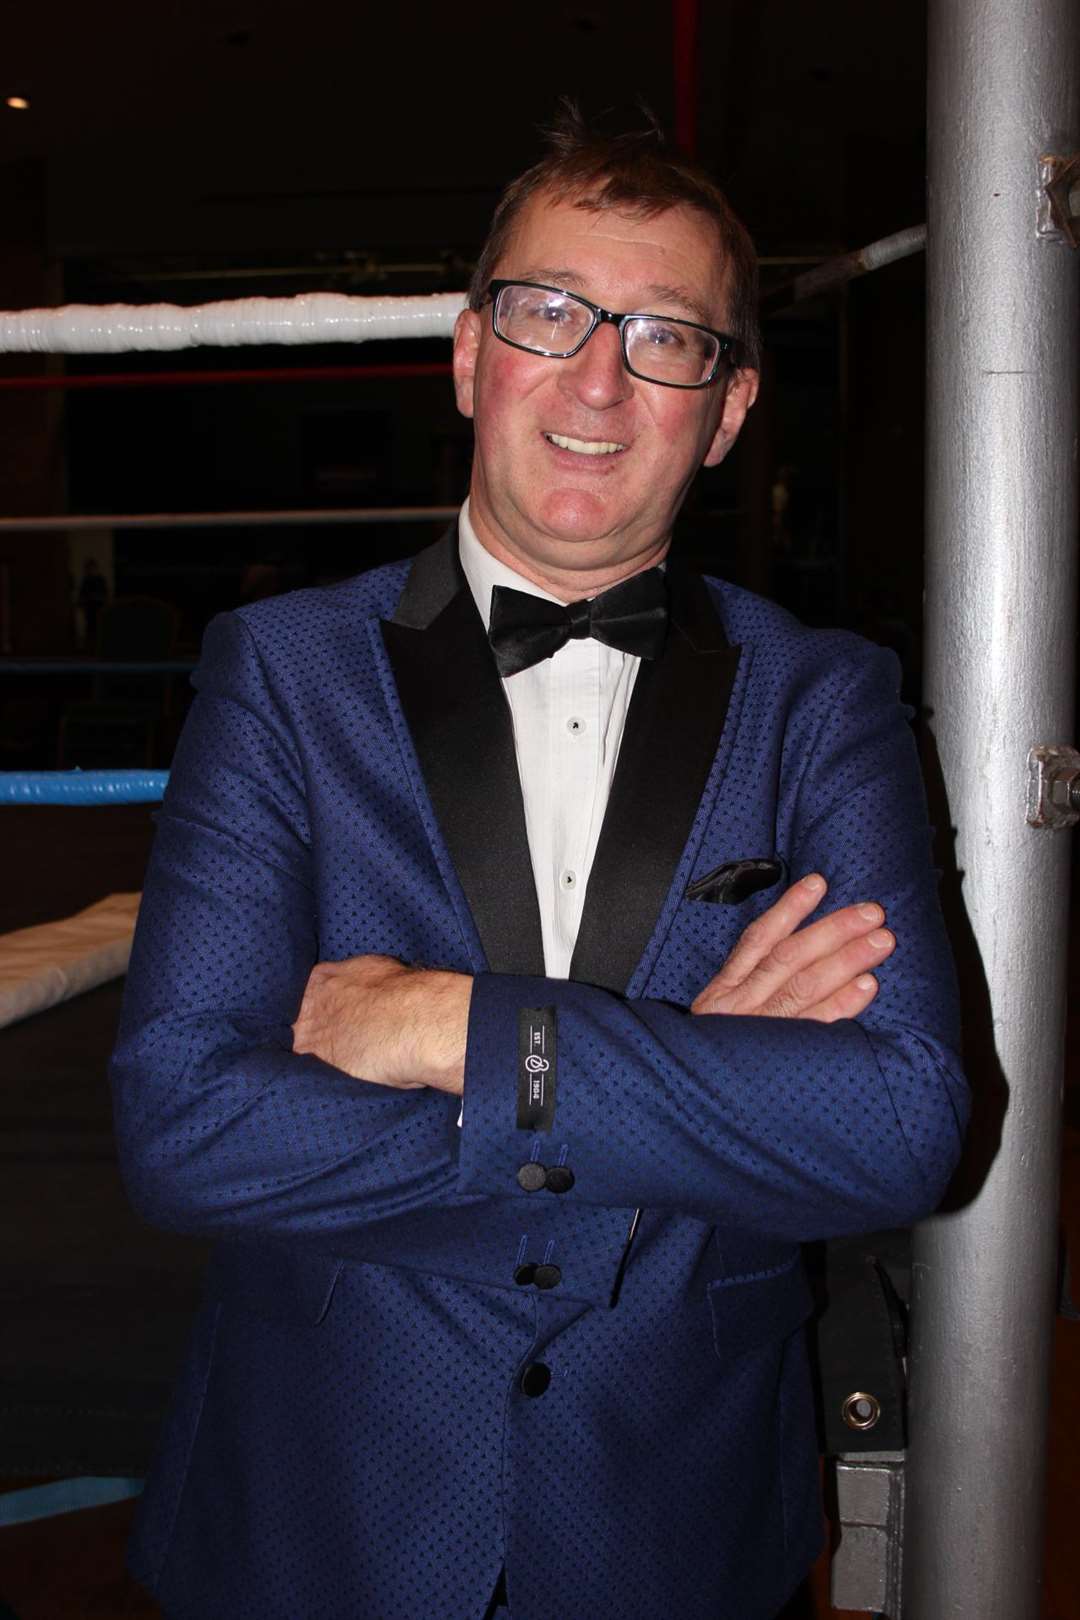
column 657, row 348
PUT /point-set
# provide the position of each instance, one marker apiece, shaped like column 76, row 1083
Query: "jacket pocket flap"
column 758, row 1308
column 271, row 1280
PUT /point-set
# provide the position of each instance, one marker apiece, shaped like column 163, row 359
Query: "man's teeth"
column 584, row 447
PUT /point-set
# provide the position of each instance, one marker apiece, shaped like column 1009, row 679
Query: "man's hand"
column 376, row 1019
column 779, row 970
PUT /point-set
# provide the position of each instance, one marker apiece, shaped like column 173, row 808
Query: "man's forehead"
column 658, row 295
column 673, row 255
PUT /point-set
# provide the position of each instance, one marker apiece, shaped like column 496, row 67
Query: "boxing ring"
column 29, row 980
column 1002, row 485
column 43, row 966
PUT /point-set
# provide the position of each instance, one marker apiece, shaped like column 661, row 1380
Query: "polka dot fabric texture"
column 414, row 1369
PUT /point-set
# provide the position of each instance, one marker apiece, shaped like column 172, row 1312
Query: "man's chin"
column 559, row 536
column 581, row 520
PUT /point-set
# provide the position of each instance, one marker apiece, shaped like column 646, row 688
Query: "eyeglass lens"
column 554, row 323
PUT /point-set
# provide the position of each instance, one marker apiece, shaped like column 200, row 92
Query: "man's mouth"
column 584, row 447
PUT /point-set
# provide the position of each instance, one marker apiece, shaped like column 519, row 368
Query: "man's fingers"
column 779, row 990
column 759, row 973
column 847, row 1002
column 762, row 935
column 806, row 968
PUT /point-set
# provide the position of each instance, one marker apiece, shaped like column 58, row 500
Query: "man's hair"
column 637, row 174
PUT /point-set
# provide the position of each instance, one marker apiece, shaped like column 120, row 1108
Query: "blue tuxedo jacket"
column 385, row 1401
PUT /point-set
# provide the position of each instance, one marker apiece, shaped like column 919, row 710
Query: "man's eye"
column 664, row 337
column 553, row 312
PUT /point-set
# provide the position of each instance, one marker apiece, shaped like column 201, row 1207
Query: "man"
column 464, row 1010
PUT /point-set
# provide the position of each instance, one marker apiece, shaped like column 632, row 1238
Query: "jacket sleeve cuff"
column 494, row 1146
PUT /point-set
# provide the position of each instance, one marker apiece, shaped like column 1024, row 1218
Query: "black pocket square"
column 736, row 881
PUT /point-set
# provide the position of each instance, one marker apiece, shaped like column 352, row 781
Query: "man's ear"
column 466, row 345
column 740, row 395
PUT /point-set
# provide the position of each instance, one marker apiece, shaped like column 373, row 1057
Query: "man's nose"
column 596, row 375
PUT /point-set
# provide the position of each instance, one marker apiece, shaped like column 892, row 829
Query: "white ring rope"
column 230, row 323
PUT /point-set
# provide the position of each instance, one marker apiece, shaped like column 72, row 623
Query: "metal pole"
column 1001, row 592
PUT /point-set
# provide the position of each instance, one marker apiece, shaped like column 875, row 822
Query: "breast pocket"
column 703, row 935
column 734, row 882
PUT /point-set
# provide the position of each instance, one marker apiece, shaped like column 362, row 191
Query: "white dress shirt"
column 568, row 715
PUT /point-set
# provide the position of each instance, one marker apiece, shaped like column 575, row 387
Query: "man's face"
column 564, row 516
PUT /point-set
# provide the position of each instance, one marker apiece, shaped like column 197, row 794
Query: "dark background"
column 193, row 153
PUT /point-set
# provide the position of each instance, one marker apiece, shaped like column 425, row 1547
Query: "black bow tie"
column 631, row 616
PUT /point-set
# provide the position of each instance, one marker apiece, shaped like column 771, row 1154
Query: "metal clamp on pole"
column 1059, row 204
column 1053, row 786
column 867, row 1564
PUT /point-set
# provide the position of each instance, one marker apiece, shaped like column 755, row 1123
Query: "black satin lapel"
column 434, row 580
column 672, row 733
column 460, row 724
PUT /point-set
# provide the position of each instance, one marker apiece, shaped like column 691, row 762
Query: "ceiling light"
column 18, row 103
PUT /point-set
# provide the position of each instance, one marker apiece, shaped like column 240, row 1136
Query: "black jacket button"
column 559, row 1179
column 526, row 1274
column 547, row 1276
column 535, row 1379
column 531, row 1177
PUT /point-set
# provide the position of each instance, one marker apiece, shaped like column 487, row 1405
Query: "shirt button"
column 575, row 725
column 547, row 1276
column 531, row 1177
column 569, row 880
column 525, row 1275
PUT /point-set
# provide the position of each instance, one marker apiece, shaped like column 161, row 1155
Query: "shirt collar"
column 484, row 572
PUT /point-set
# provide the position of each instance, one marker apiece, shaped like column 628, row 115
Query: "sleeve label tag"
column 536, row 1069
